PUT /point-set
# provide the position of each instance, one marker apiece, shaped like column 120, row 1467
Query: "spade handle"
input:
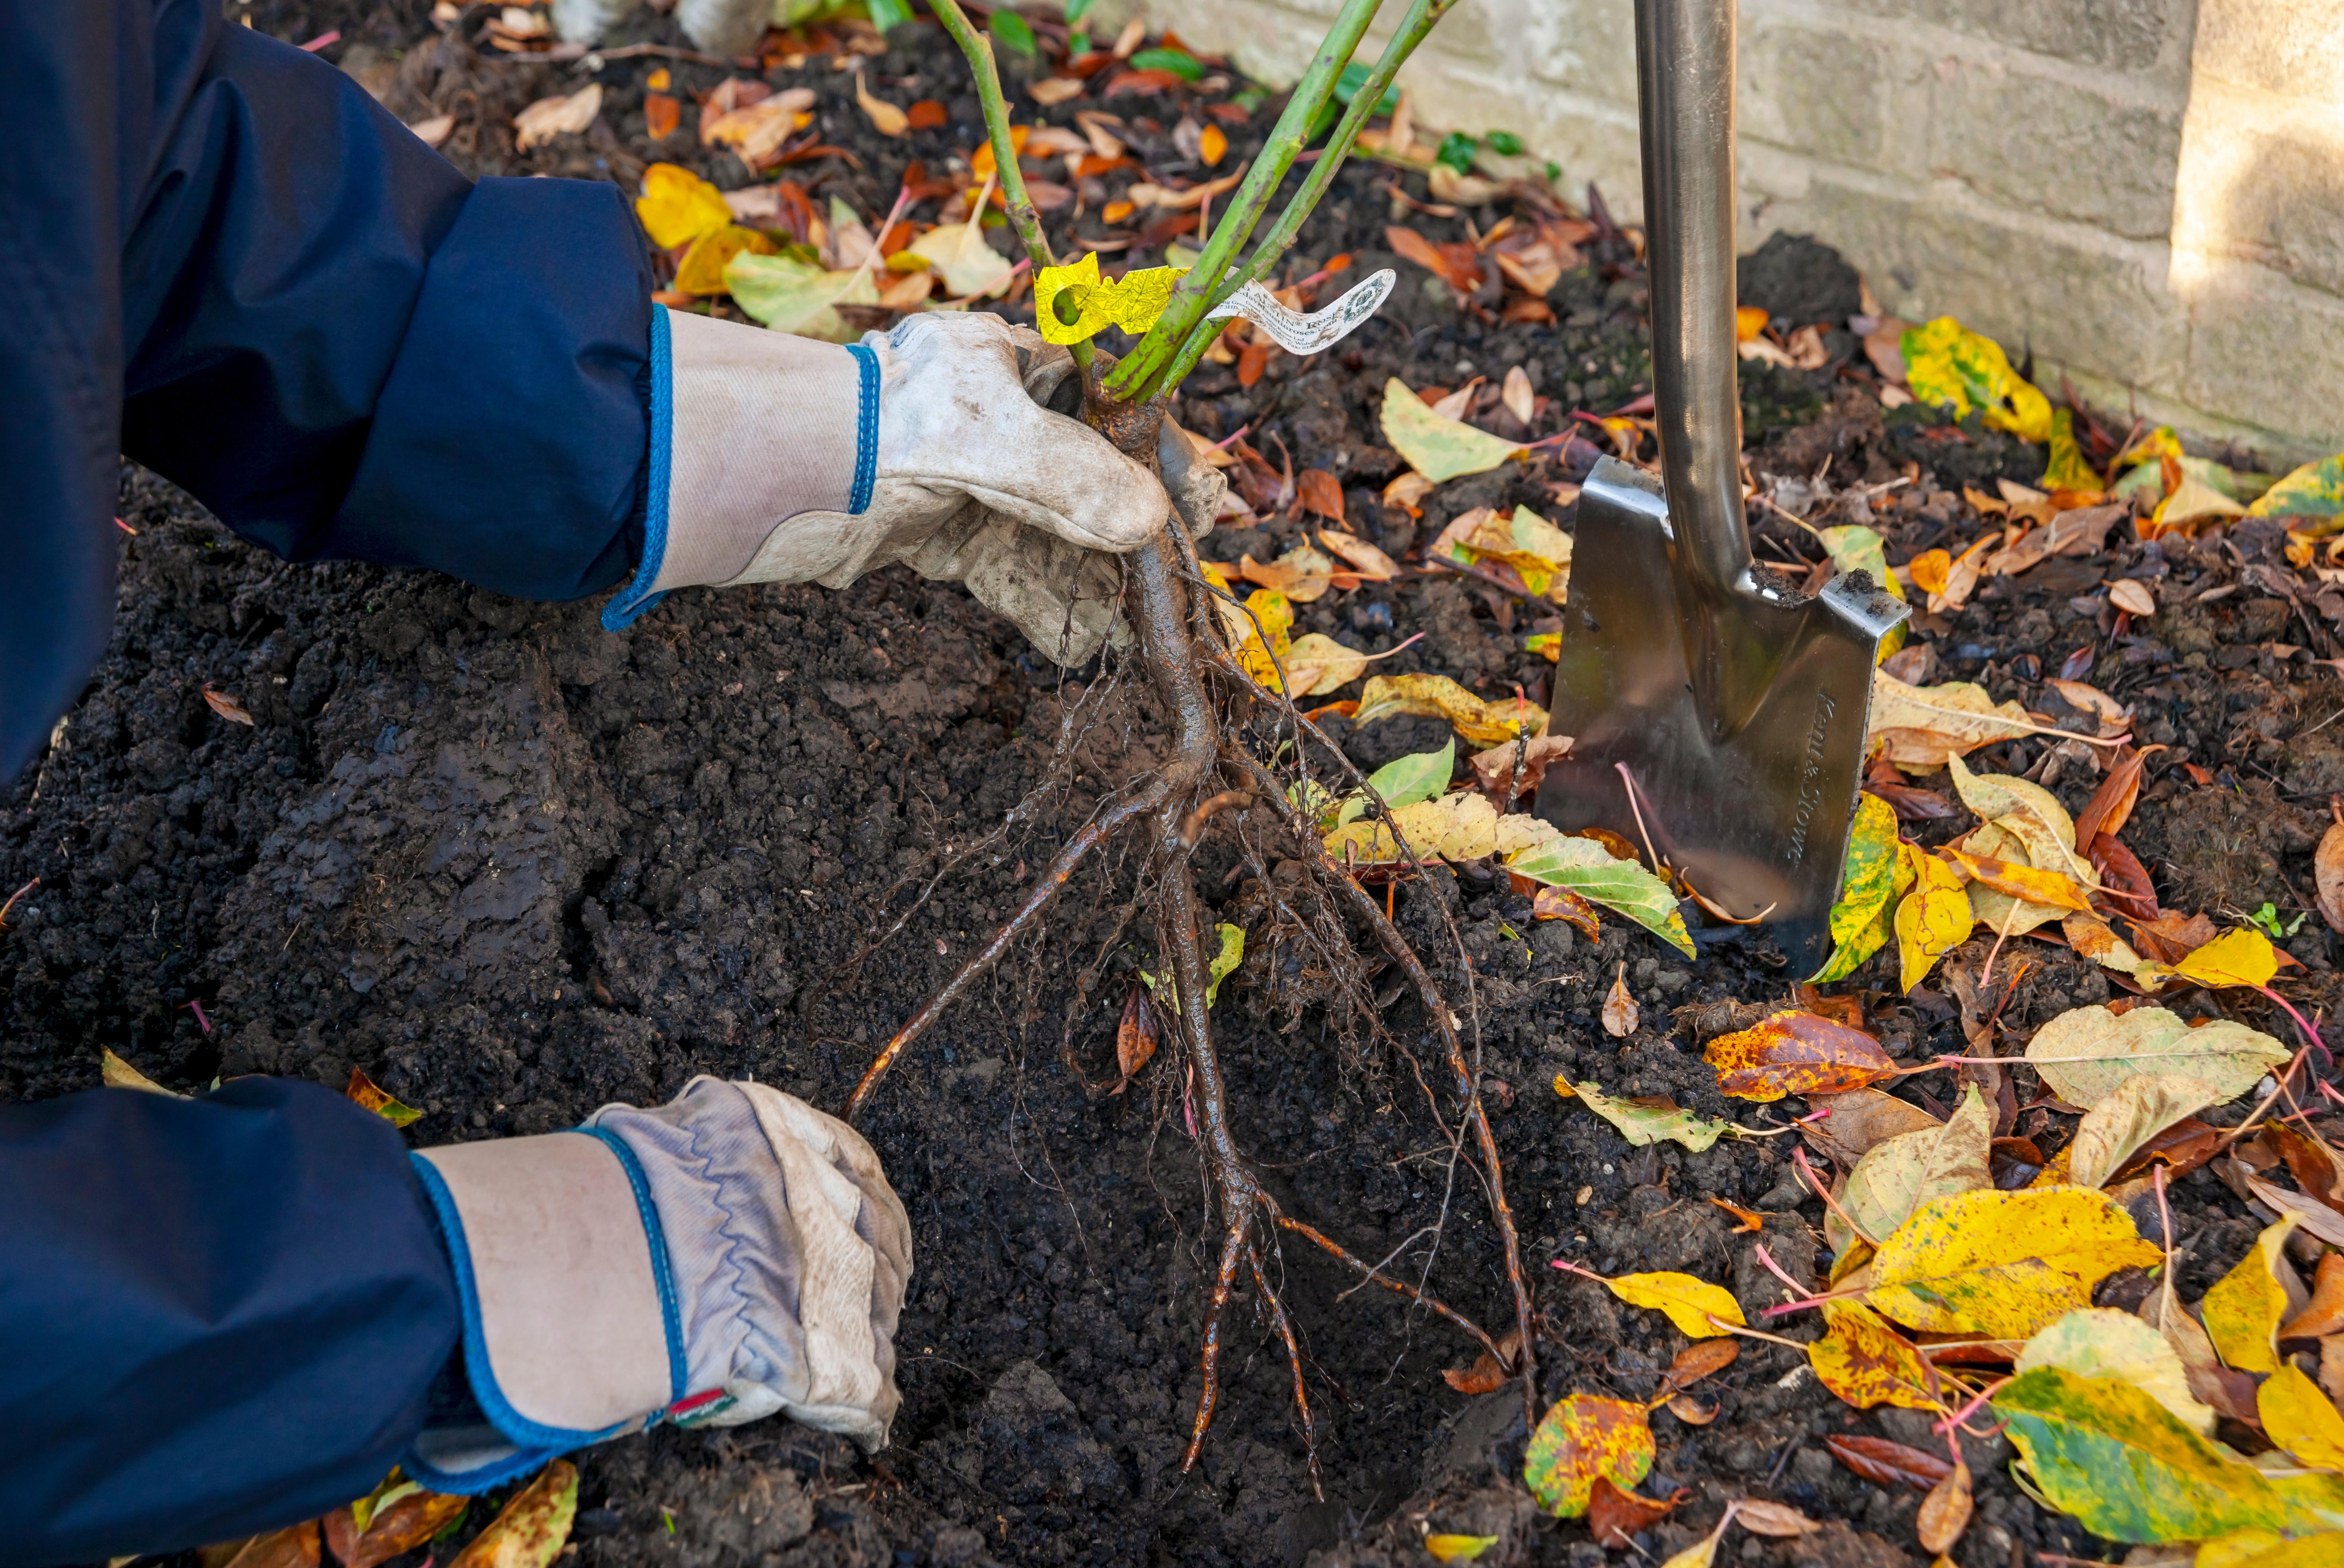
column 1684, row 80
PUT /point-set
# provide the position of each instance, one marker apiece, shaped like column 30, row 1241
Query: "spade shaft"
column 1716, row 712
column 1685, row 81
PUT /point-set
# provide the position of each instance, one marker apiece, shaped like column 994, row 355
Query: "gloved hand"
column 725, row 1256
column 781, row 460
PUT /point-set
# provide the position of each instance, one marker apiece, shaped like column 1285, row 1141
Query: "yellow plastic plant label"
column 1132, row 302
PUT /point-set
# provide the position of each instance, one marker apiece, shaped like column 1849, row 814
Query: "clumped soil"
column 514, row 867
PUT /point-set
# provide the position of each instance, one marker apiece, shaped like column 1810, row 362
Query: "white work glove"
column 790, row 460
column 729, row 1255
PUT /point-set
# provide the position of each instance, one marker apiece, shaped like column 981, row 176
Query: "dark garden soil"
column 515, row 867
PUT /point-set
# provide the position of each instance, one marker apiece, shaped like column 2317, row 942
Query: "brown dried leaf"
column 1135, row 1037
column 411, row 1518
column 1912, row 804
column 1692, row 1409
column 1779, row 1520
column 1945, row 1512
column 1860, row 1120
column 1484, row 1376
column 2112, row 717
column 1519, row 400
column 1887, row 1464
column 557, row 116
column 1487, row 1374
column 1494, row 770
column 227, row 707
column 1619, row 1008
column 2327, row 875
column 1320, row 492
column 2169, row 938
column 1455, row 265
column 2324, row 1313
column 2124, row 881
column 1795, row 1052
column 1359, row 554
column 661, row 113
column 1700, row 1359
column 2314, row 1165
column 2133, row 596
column 295, row 1546
column 2111, row 804
column 1562, row 904
column 1614, row 1516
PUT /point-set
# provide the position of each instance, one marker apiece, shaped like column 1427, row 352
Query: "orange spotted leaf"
column 1794, row 1053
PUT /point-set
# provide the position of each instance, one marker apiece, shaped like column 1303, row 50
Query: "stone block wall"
column 2147, row 193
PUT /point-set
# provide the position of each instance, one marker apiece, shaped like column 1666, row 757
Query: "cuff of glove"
column 748, row 429
column 570, row 1327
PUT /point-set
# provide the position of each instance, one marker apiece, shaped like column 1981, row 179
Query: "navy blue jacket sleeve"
column 216, row 1315
column 223, row 258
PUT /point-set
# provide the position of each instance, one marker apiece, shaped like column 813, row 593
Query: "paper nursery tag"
column 1319, row 330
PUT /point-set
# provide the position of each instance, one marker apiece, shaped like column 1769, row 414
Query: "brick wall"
column 2150, row 193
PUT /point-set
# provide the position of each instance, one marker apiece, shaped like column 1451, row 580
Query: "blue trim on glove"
column 866, row 428
column 636, row 595
column 534, row 1443
column 671, row 1314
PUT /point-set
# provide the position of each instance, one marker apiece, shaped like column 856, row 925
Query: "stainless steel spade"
column 1713, row 707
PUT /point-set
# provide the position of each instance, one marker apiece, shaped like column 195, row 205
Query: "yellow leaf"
column 1899, row 1174
column 2098, row 1342
column 2066, row 470
column 2300, row 1419
column 2139, row 1109
column 1861, row 921
column 1950, row 365
column 2025, row 811
column 702, row 270
column 1265, row 614
column 2003, row 1264
column 1865, row 1362
column 1524, row 549
column 2019, row 882
column 117, row 1073
column 1934, row 919
column 797, row 296
column 1440, row 448
column 2086, row 1053
column 1689, row 1302
column 678, row 206
column 1458, row 1548
column 2240, row 957
column 1923, row 727
column 530, row 1530
column 1317, row 664
column 2313, row 490
column 1132, row 302
column 1438, row 696
column 1457, row 827
column 2246, row 1305
column 885, row 117
column 968, row 264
